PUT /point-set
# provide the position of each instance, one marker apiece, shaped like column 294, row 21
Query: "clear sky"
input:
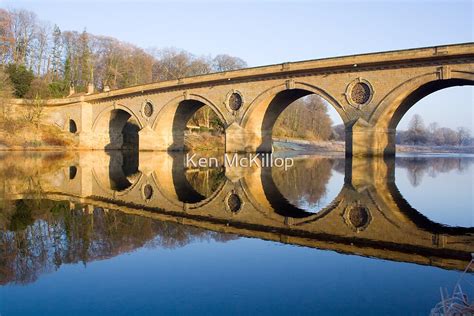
column 267, row 32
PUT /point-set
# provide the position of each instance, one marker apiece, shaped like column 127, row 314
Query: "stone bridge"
column 371, row 93
column 368, row 217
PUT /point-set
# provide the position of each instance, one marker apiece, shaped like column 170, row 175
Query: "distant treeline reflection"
column 305, row 184
column 418, row 167
column 38, row 236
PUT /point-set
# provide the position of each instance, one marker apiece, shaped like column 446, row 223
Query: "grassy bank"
column 287, row 144
column 204, row 141
column 435, row 149
column 290, row 144
column 20, row 134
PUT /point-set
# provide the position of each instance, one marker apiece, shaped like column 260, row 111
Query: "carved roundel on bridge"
column 357, row 217
column 147, row 109
column 234, row 100
column 234, row 203
column 359, row 92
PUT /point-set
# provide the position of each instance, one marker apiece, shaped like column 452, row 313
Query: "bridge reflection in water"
column 108, row 203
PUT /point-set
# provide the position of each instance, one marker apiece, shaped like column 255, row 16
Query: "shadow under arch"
column 173, row 184
column 185, row 192
column 263, row 112
column 122, row 126
column 170, row 122
column 121, row 175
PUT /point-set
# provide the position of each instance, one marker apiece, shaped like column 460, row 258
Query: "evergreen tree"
column 56, row 53
column 21, row 78
column 84, row 61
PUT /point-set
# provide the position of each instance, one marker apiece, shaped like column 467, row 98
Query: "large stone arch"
column 377, row 135
column 254, row 131
column 167, row 130
column 113, row 125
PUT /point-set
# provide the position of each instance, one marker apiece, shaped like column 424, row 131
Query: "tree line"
column 419, row 167
column 40, row 58
column 306, row 118
column 433, row 134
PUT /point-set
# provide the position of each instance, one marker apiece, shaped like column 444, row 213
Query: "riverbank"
column 338, row 146
column 17, row 135
column 26, row 136
column 280, row 144
column 204, row 141
column 435, row 149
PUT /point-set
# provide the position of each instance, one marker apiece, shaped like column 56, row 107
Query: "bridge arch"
column 378, row 135
column 392, row 108
column 117, row 127
column 262, row 113
column 170, row 122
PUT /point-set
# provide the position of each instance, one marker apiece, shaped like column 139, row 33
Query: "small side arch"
column 72, row 126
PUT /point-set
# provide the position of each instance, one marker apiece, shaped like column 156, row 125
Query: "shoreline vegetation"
column 23, row 135
column 339, row 146
column 49, row 138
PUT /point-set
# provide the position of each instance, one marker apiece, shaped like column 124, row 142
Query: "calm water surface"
column 120, row 234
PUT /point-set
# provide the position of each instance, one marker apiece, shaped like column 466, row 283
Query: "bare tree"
column 6, row 36
column 41, row 48
column 225, row 62
column 464, row 135
column 172, row 64
column 6, row 92
column 23, row 30
column 417, row 133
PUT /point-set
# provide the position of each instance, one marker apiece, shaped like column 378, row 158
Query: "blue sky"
column 268, row 32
